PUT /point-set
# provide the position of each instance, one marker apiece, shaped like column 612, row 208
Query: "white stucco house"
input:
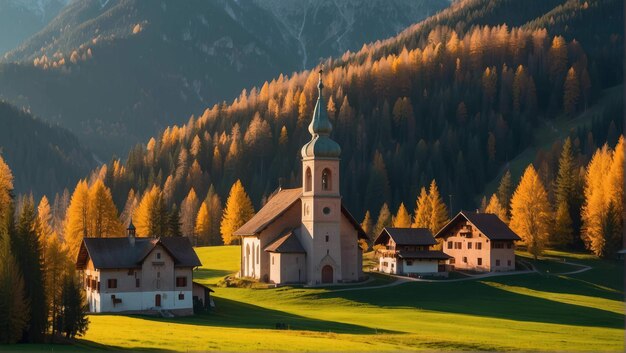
column 407, row 251
column 139, row 275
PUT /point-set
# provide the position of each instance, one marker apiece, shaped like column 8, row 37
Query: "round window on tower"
column 326, row 210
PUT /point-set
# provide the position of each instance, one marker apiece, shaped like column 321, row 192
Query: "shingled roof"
column 277, row 206
column 118, row 253
column 406, row 236
column 274, row 208
column 487, row 223
column 287, row 242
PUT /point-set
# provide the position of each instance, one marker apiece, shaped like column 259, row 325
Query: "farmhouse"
column 305, row 235
column 407, row 251
column 144, row 275
column 479, row 242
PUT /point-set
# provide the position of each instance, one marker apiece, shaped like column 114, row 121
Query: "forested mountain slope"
column 20, row 19
column 45, row 159
column 158, row 62
column 445, row 100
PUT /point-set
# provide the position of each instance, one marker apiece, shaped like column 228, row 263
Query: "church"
column 305, row 235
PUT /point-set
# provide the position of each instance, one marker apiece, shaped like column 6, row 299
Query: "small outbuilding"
column 408, row 252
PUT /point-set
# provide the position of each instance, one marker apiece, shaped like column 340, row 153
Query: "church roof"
column 274, row 208
column 487, row 223
column 406, row 236
column 277, row 206
column 115, row 253
column 321, row 145
column 287, row 242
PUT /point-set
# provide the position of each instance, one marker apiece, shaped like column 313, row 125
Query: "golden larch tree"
column 494, row 207
column 103, row 216
column 238, row 211
column 203, row 224
column 422, row 210
column 530, row 212
column 142, row 217
column 402, row 219
column 438, row 209
column 601, row 211
column 77, row 218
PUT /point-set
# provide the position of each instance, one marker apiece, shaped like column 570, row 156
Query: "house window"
column 509, row 245
column 112, row 283
column 158, row 255
column 497, row 262
column 409, row 262
column 458, row 245
column 326, row 179
column 131, row 272
column 137, row 282
column 158, row 274
column 464, row 259
column 452, row 261
column 385, row 264
column 508, row 262
column 479, row 246
column 327, row 238
column 181, row 281
column 181, row 296
column 98, row 287
column 272, row 259
column 480, row 261
column 450, row 245
column 498, row 245
column 469, row 245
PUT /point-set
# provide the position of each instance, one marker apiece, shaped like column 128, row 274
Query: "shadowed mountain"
column 115, row 72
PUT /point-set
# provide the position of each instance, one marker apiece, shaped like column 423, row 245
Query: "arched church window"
column 326, row 179
column 307, row 179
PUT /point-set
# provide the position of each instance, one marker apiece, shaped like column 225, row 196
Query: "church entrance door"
column 327, row 274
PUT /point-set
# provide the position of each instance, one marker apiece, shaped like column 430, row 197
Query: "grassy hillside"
column 520, row 312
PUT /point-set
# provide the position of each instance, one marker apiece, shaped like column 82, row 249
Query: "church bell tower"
column 321, row 201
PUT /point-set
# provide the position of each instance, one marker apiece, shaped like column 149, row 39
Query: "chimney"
column 131, row 233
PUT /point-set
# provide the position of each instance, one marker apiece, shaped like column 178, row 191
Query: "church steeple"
column 321, row 145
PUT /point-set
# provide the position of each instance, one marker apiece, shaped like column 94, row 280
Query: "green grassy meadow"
column 542, row 311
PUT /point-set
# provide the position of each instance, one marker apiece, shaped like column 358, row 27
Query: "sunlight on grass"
column 574, row 299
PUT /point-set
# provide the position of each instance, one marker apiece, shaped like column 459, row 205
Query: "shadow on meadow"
column 204, row 274
column 236, row 314
column 482, row 299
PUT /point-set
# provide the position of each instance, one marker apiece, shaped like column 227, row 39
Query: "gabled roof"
column 406, row 236
column 277, row 206
column 287, row 242
column 487, row 223
column 429, row 254
column 114, row 253
column 273, row 209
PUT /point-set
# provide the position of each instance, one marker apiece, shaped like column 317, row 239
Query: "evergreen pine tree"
column 505, row 191
column 27, row 245
column 173, row 223
column 74, row 319
column 384, row 220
